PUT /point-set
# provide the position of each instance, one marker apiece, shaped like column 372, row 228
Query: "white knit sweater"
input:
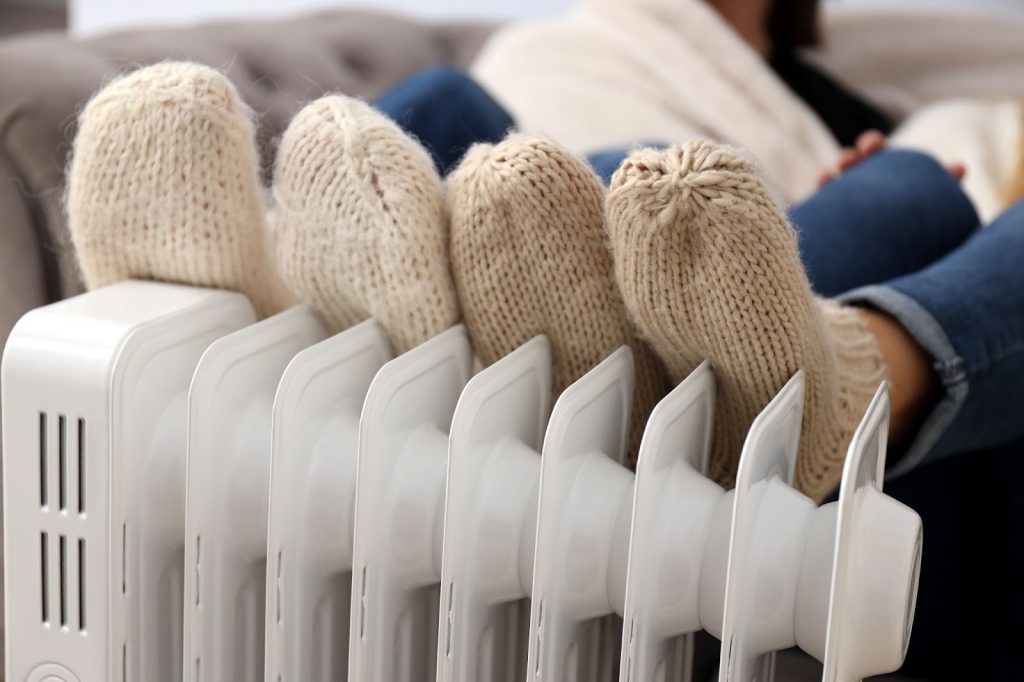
column 620, row 72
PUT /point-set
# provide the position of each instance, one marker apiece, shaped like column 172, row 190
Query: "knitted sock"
column 530, row 257
column 709, row 268
column 164, row 185
column 360, row 222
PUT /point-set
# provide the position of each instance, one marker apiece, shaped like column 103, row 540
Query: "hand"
column 869, row 143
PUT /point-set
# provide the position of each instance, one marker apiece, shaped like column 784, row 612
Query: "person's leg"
column 893, row 214
column 967, row 311
column 705, row 263
column 447, row 111
column 709, row 270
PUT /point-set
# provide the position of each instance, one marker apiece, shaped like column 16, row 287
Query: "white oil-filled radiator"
column 191, row 495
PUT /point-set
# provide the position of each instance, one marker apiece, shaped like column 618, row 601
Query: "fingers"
column 849, row 158
column 870, row 142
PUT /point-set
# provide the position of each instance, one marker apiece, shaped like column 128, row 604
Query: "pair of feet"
column 687, row 256
column 165, row 184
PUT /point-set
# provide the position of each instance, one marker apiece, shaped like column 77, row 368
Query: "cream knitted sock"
column 530, row 257
column 164, row 185
column 360, row 223
column 709, row 268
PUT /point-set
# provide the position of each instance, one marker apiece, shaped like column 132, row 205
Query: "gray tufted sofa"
column 45, row 78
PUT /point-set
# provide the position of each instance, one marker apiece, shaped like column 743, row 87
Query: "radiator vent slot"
column 66, row 458
column 62, row 489
column 81, row 585
column 63, row 591
column 62, row 462
column 44, row 492
column 124, row 558
column 44, row 574
column 81, row 467
column 63, row 581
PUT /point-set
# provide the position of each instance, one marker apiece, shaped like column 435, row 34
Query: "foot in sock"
column 164, row 185
column 529, row 256
column 708, row 267
column 360, row 223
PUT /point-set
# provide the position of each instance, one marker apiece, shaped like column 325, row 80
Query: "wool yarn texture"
column 164, row 185
column 360, row 222
column 529, row 255
column 709, row 269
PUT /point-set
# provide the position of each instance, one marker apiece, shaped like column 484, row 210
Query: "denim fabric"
column 447, row 111
column 967, row 311
column 893, row 214
column 607, row 161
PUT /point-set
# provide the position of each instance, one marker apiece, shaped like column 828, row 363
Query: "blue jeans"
column 894, row 214
column 447, row 111
column 967, row 311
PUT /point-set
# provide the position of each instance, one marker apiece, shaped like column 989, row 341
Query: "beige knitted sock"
column 360, row 223
column 530, row 257
column 709, row 268
column 164, row 185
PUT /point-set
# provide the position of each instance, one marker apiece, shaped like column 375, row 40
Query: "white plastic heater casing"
column 491, row 518
column 583, row 523
column 876, row 563
column 229, row 428
column 399, row 520
column 768, row 526
column 94, row 416
column 679, row 545
column 193, row 495
column 840, row 580
column 314, row 454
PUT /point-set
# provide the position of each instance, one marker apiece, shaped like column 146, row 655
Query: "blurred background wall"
column 89, row 17
column 93, row 16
